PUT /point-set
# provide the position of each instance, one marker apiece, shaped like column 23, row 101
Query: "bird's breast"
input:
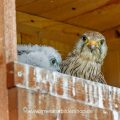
column 82, row 68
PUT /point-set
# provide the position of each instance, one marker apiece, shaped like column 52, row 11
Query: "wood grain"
column 10, row 30
column 91, row 14
column 39, row 6
column 13, row 103
column 7, row 51
column 73, row 9
column 62, row 93
column 100, row 19
column 69, row 108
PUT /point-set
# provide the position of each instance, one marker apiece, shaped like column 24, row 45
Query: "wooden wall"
column 38, row 30
column 112, row 61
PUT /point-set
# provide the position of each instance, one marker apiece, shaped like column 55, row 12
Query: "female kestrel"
column 87, row 57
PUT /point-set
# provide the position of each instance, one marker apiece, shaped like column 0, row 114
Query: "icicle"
column 73, row 87
column 115, row 115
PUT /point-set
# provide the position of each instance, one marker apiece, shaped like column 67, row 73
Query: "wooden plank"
column 100, row 19
column 10, row 75
column 10, row 30
column 10, row 50
column 7, row 51
column 39, row 6
column 43, row 23
column 68, row 87
column 36, row 106
column 73, row 9
column 3, row 91
column 76, row 12
column 13, row 103
column 22, row 3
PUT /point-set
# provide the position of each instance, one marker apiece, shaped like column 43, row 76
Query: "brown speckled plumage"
column 87, row 57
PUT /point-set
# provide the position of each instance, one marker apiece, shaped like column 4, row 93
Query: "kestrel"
column 87, row 57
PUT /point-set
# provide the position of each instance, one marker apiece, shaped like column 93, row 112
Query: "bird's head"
column 41, row 56
column 92, row 46
column 52, row 58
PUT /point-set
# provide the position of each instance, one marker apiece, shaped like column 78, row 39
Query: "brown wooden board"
column 7, row 52
column 90, row 14
column 67, row 87
column 34, row 105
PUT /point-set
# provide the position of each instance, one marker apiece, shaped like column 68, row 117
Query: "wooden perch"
column 45, row 90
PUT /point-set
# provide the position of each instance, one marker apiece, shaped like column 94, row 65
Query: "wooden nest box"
column 32, row 93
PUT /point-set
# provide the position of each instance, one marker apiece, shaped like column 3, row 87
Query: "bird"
column 41, row 56
column 87, row 57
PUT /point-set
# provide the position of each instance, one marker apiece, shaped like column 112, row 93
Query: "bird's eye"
column 84, row 38
column 102, row 41
column 53, row 61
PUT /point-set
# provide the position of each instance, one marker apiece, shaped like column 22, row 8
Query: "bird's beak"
column 92, row 44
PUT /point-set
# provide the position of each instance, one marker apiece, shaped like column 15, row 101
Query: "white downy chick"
column 40, row 56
